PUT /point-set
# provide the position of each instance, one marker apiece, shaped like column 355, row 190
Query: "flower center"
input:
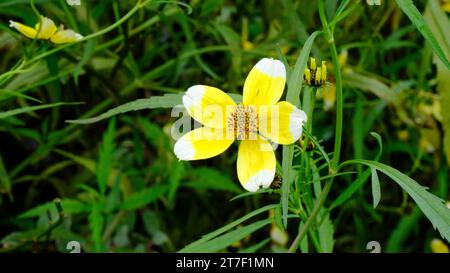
column 243, row 122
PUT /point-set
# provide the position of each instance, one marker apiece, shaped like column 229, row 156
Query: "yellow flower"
column 315, row 76
column 328, row 94
column 47, row 30
column 445, row 5
column 437, row 246
column 258, row 118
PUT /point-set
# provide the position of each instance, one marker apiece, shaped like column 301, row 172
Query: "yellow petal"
column 208, row 105
column 282, row 123
column 23, row 29
column 256, row 164
column 202, row 143
column 437, row 246
column 65, row 36
column 265, row 83
column 47, row 30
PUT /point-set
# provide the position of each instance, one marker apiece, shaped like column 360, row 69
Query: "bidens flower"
column 258, row 118
column 47, row 30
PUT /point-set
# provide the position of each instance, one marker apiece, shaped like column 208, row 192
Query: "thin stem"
column 312, row 216
column 339, row 108
column 338, row 132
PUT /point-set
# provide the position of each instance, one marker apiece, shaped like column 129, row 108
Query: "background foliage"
column 120, row 185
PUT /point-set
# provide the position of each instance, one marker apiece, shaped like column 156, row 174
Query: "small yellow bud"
column 313, row 64
column 315, row 76
column 318, row 78
column 307, row 76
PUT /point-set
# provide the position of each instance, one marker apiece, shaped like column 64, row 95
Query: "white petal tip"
column 261, row 179
column 12, row 24
column 296, row 120
column 193, row 96
column 271, row 67
column 184, row 150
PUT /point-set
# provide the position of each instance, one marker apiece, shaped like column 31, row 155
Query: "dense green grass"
column 120, row 185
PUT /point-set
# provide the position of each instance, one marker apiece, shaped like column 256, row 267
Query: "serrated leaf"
column 432, row 206
column 166, row 101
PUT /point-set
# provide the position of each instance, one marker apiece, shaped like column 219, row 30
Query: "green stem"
column 338, row 131
column 339, row 108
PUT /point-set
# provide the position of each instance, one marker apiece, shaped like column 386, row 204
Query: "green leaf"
column 125, row 184
column 176, row 174
column 370, row 84
column 166, row 101
column 256, row 247
column 143, row 198
column 89, row 52
column 362, row 178
column 295, row 83
column 106, row 155
column 70, row 206
column 376, row 192
column 27, row 109
column 96, row 223
column 227, row 239
column 211, row 179
column 440, row 24
column 432, row 206
column 209, row 236
column 5, row 182
column 326, row 233
column 408, row 7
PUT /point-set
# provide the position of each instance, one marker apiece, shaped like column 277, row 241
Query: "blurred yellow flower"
column 403, row 135
column 445, row 5
column 278, row 236
column 437, row 246
column 429, row 140
column 47, row 30
column 257, row 119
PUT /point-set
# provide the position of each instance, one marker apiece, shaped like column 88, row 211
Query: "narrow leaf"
column 408, row 7
column 432, row 206
column 27, row 109
column 376, row 192
column 166, row 101
column 295, row 83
